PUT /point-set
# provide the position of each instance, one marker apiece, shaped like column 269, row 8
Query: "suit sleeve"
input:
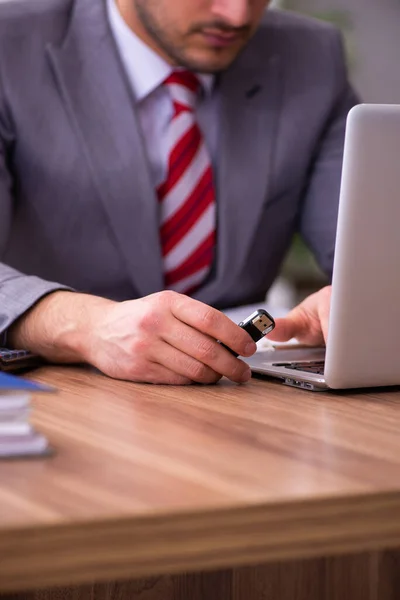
column 318, row 217
column 18, row 292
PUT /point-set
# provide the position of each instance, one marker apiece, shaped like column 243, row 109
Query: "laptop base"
column 278, row 363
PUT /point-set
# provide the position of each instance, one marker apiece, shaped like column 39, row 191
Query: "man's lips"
column 219, row 38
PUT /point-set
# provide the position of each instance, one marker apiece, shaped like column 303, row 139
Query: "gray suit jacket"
column 77, row 207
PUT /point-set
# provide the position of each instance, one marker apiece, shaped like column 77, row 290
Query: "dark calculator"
column 17, row 360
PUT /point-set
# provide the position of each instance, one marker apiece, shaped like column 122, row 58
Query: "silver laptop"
column 363, row 347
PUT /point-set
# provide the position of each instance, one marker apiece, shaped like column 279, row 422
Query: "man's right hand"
column 164, row 338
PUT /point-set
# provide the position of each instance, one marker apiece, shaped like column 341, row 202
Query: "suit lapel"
column 250, row 94
column 97, row 96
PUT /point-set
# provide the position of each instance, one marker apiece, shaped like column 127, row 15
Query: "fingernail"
column 246, row 375
column 250, row 348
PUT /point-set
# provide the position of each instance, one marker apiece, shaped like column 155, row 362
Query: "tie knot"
column 184, row 87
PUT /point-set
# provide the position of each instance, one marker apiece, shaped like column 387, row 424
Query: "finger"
column 144, row 371
column 213, row 323
column 158, row 374
column 294, row 325
column 207, row 351
column 183, row 364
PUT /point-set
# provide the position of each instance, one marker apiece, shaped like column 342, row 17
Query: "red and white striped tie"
column 187, row 196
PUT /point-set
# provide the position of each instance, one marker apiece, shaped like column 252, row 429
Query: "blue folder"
column 11, row 382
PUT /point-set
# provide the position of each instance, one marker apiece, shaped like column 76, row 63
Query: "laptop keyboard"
column 315, row 366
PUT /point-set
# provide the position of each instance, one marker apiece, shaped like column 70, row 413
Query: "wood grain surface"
column 339, row 578
column 152, row 480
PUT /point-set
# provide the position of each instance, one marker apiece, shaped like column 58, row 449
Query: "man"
column 156, row 158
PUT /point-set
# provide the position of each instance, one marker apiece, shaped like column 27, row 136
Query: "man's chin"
column 210, row 62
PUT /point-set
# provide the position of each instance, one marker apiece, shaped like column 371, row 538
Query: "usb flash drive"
column 258, row 324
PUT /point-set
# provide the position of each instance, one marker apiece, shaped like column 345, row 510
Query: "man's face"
column 201, row 35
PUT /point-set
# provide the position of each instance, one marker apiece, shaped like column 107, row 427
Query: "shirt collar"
column 145, row 68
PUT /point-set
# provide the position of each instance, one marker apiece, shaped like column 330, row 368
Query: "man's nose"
column 236, row 13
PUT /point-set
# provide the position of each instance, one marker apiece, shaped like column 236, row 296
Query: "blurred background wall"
column 373, row 30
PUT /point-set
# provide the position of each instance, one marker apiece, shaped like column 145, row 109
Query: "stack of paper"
column 17, row 436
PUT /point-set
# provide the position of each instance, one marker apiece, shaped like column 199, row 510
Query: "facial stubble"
column 177, row 54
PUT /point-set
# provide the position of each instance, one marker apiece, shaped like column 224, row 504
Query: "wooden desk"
column 153, row 480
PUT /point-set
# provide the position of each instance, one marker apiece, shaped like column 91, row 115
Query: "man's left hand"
column 308, row 322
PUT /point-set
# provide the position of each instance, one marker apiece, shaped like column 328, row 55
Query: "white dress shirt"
column 146, row 71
